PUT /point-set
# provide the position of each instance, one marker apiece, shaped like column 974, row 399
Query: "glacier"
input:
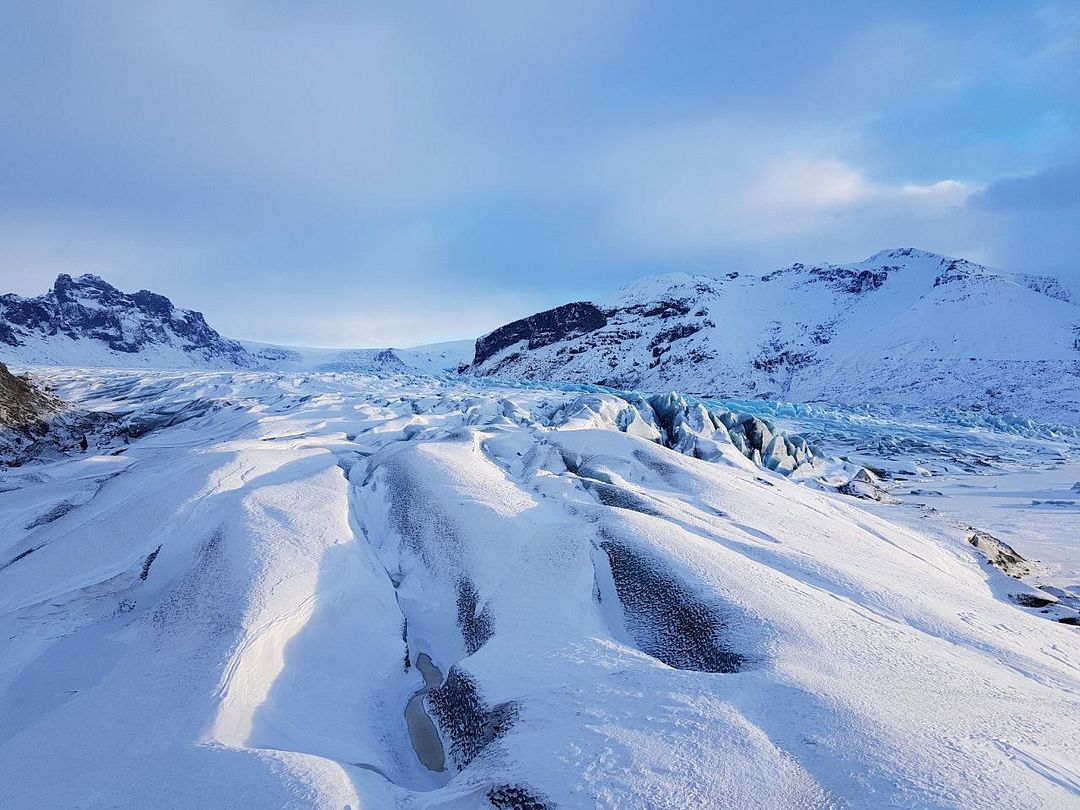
column 243, row 588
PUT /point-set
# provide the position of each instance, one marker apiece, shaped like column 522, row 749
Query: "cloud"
column 735, row 184
column 1053, row 189
column 368, row 163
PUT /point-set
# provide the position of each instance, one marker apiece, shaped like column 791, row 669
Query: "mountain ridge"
column 85, row 321
column 904, row 326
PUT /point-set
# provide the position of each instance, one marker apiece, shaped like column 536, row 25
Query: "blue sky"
column 343, row 173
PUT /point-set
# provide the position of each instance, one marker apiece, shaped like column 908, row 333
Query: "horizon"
column 370, row 177
column 469, row 338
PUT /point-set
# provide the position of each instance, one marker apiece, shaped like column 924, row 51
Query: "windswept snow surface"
column 229, row 611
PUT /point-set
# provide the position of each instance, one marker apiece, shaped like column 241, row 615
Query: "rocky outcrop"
column 25, row 415
column 23, row 405
column 542, row 329
column 864, row 484
column 999, row 553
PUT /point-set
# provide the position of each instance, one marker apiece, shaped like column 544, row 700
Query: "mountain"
column 85, row 321
column 902, row 327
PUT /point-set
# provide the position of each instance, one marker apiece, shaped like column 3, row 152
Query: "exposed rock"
column 542, row 329
column 864, row 484
column 999, row 553
column 23, row 405
column 1031, row 600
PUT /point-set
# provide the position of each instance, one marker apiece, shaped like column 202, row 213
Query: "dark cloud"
column 1053, row 189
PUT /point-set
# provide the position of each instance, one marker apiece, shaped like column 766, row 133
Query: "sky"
column 357, row 174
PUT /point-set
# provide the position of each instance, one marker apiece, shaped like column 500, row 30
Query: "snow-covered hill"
column 87, row 322
column 264, row 589
column 903, row 326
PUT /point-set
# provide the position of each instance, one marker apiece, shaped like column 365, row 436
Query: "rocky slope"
column 25, row 411
column 22, row 403
column 902, row 327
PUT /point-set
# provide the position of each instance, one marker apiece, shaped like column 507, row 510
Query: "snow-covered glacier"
column 288, row 589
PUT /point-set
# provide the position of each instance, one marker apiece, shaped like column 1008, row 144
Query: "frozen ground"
column 258, row 589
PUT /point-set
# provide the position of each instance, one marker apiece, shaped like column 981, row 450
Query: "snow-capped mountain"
column 87, row 322
column 903, row 327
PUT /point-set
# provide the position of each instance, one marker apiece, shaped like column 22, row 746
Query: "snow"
column 434, row 358
column 86, row 322
column 904, row 327
column 219, row 612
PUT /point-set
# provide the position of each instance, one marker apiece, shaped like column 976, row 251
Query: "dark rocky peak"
column 89, row 308
column 156, row 304
column 542, row 329
column 954, row 270
column 851, row 280
column 65, row 286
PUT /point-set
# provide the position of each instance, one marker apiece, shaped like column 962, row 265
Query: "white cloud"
column 736, row 184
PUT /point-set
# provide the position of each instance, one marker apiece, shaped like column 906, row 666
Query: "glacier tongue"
column 228, row 608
